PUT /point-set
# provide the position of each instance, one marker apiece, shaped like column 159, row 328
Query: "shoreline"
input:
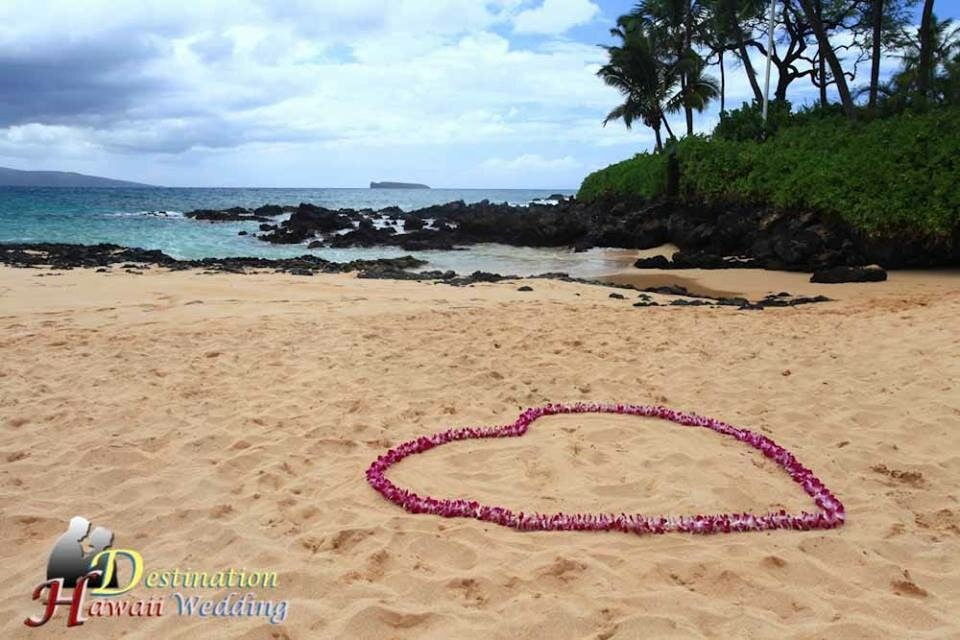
column 660, row 234
column 706, row 235
column 103, row 258
column 715, row 283
column 760, row 282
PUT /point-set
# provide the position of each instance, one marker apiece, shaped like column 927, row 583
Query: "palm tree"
column 717, row 38
column 721, row 31
column 950, row 81
column 926, row 75
column 825, row 50
column 699, row 88
column 944, row 47
column 644, row 79
column 925, row 64
column 679, row 25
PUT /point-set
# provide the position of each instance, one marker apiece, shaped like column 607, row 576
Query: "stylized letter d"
column 110, row 566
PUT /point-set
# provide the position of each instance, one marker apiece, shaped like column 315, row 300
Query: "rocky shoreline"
column 708, row 236
column 103, row 257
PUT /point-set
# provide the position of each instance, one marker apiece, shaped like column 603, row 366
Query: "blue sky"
column 453, row 93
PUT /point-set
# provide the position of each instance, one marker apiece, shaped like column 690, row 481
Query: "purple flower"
column 832, row 513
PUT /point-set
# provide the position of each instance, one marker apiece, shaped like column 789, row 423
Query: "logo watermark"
column 84, row 562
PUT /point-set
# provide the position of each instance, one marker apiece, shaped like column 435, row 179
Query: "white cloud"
column 555, row 17
column 302, row 92
column 412, row 83
column 149, row 87
column 530, row 161
column 544, row 170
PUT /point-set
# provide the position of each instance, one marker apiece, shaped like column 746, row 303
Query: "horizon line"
column 153, row 186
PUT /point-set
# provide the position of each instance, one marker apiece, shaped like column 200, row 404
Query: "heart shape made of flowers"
column 830, row 515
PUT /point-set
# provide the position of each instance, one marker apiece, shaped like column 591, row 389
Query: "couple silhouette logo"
column 69, row 560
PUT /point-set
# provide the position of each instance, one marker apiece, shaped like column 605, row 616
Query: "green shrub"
column 643, row 176
column 896, row 173
column 746, row 123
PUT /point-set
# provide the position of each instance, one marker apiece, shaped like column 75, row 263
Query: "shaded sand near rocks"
column 218, row 421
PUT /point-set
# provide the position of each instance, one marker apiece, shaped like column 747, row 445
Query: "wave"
column 147, row 214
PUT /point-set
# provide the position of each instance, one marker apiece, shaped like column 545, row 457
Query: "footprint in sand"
column 944, row 521
column 913, row 478
column 471, row 590
column 773, row 562
column 221, row 511
column 377, row 566
column 347, row 539
column 907, row 587
column 564, row 569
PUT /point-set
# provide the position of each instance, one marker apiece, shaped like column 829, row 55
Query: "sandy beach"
column 216, row 421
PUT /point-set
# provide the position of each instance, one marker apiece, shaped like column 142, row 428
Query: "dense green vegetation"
column 891, row 173
column 885, row 156
column 643, row 176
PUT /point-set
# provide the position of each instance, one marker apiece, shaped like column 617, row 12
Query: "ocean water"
column 152, row 218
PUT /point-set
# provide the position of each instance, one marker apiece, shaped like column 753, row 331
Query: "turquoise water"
column 129, row 217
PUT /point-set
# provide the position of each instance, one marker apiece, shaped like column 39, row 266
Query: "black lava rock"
column 412, row 222
column 653, row 262
column 709, row 235
column 67, row 256
column 225, row 215
column 732, row 302
column 269, row 210
column 307, row 221
column 690, row 303
column 837, row 275
column 669, row 290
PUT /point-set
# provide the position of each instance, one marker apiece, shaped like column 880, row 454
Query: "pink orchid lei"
column 831, row 514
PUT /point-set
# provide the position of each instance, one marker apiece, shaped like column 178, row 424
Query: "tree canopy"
column 667, row 51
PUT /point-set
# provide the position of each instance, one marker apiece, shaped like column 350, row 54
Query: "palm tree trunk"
column 667, row 126
column 827, row 51
column 926, row 50
column 656, row 132
column 822, row 72
column 875, row 61
column 747, row 65
column 687, row 47
column 723, row 85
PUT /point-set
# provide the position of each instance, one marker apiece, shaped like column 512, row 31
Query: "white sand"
column 220, row 421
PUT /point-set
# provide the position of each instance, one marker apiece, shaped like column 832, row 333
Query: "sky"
column 319, row 93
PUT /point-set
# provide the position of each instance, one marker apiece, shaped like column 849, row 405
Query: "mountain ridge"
column 19, row 178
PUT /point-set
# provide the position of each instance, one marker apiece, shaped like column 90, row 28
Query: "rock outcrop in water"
column 708, row 236
column 307, row 221
column 398, row 185
column 235, row 214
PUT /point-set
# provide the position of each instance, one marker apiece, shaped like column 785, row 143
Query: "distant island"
column 397, row 185
column 17, row 178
